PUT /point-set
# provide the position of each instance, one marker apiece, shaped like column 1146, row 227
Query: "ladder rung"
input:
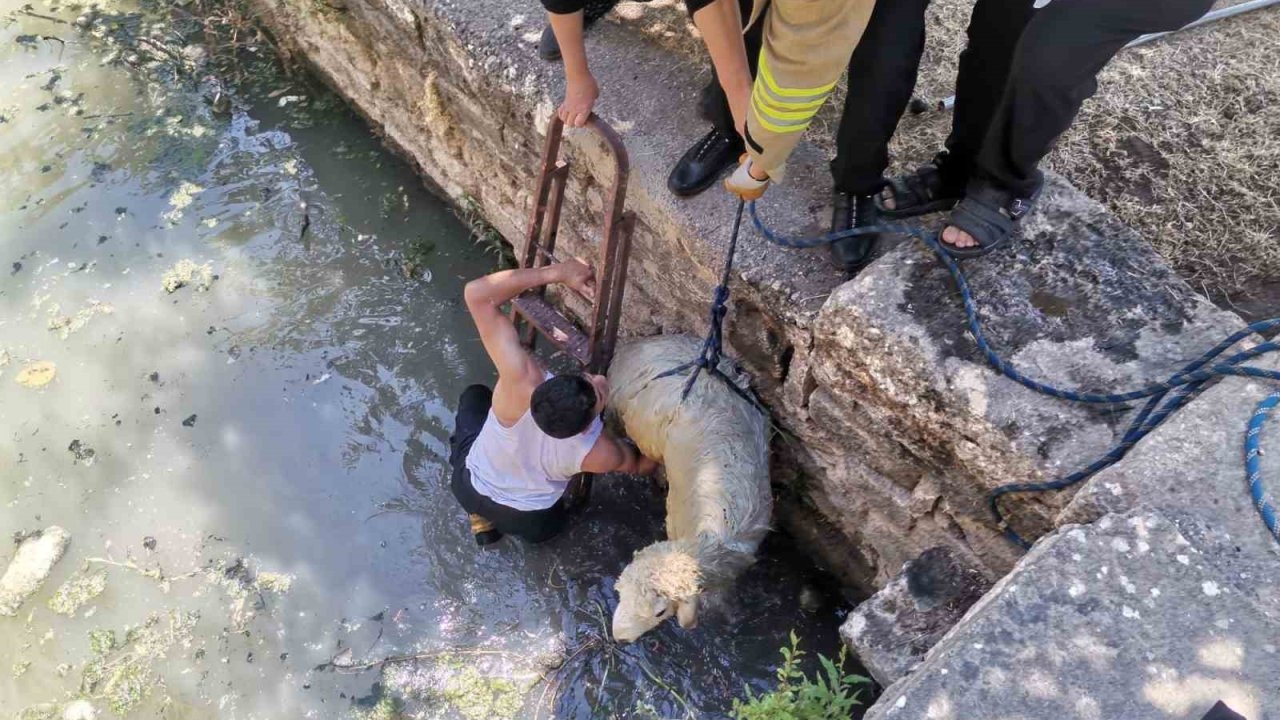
column 554, row 326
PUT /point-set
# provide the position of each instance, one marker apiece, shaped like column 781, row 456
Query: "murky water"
column 256, row 469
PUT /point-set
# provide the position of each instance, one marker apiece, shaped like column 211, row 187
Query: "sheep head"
column 662, row 580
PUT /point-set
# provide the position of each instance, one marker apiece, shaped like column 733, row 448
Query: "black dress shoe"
column 850, row 211
column 549, row 48
column 702, row 164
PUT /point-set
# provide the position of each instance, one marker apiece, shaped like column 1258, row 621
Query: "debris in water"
column 190, row 421
column 67, row 324
column 123, row 674
column 76, row 592
column 186, row 272
column 149, row 543
column 30, row 567
column 20, row 668
column 154, row 376
column 343, row 659
column 246, row 589
column 37, row 374
column 181, row 199
column 278, row 583
column 82, row 452
column 17, row 268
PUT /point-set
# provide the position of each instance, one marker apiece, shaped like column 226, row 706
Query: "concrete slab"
column 1124, row 618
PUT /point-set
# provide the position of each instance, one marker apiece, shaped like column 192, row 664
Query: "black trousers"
column 1021, row 81
column 531, row 525
column 882, row 77
column 1055, row 69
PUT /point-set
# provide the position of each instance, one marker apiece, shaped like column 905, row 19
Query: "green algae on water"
column 76, row 592
column 102, row 641
column 278, row 583
column 123, row 674
column 480, row 697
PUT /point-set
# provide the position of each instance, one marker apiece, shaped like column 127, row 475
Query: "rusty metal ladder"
column 532, row 314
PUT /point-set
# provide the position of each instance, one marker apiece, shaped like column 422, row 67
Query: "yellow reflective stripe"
column 806, row 101
column 780, row 129
column 789, row 93
column 767, row 106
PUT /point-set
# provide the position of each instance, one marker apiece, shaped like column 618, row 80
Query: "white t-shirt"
column 524, row 468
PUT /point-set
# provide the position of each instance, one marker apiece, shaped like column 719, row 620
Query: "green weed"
column 829, row 695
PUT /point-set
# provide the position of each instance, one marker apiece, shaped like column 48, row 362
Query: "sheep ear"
column 687, row 613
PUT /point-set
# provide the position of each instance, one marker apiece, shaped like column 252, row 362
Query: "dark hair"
column 563, row 406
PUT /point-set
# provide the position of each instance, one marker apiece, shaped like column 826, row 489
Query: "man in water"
column 515, row 448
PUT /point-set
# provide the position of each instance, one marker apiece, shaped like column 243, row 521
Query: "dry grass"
column 1182, row 141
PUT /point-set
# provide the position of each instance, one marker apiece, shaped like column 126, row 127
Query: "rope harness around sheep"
column 1162, row 398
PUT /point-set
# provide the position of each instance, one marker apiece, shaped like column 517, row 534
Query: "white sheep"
column 715, row 450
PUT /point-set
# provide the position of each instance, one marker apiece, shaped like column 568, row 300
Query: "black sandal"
column 989, row 215
column 922, row 192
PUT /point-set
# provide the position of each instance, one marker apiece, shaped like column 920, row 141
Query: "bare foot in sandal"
column 957, row 238
column 929, row 189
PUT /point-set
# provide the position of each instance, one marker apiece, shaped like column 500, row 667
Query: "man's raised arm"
column 485, row 297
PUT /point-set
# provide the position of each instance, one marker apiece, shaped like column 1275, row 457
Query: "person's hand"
column 578, row 275
column 579, row 97
column 745, row 181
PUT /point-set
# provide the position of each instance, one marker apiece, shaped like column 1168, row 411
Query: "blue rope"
column 709, row 356
column 1162, row 398
column 1253, row 466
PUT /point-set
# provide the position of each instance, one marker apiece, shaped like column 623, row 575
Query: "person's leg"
column 719, row 149
column 535, row 526
column 994, row 29
column 473, row 408
column 1054, row 70
column 881, row 78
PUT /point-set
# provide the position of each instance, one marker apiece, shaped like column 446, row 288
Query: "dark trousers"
column 882, row 76
column 531, row 525
column 1021, row 81
column 1055, row 69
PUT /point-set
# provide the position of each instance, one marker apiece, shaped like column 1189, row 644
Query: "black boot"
column 701, row 164
column 549, row 49
column 850, row 211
